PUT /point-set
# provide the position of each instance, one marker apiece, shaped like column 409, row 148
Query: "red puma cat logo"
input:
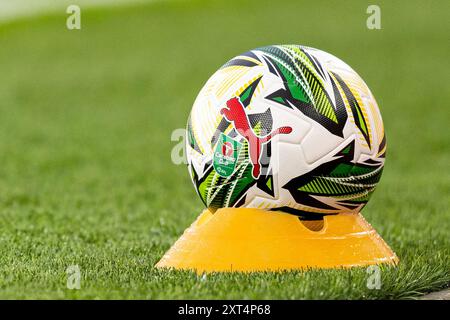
column 235, row 113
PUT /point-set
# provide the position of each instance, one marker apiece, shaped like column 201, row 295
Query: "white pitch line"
column 16, row 9
column 439, row 295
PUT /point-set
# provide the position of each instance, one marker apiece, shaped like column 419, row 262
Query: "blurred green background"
column 86, row 117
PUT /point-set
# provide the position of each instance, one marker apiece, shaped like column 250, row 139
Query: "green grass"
column 85, row 124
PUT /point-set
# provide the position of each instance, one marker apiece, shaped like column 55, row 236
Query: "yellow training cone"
column 246, row 239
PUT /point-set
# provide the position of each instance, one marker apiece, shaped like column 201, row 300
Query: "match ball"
column 287, row 128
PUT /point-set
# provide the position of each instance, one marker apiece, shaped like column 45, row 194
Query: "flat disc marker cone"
column 246, row 239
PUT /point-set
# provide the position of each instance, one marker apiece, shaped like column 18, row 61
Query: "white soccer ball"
column 286, row 128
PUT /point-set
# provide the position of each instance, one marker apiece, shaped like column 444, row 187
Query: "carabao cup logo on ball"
column 286, row 128
column 225, row 156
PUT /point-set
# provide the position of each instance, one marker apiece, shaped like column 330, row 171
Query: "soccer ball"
column 287, row 128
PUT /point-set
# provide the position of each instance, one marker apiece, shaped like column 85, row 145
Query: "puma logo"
column 234, row 112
